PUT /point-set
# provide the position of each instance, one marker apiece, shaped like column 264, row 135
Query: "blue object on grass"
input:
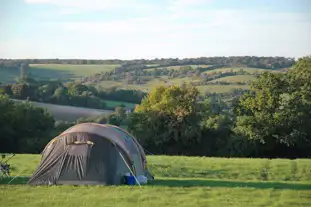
column 130, row 180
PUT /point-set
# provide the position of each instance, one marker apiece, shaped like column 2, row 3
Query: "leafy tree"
column 113, row 119
column 168, row 118
column 24, row 128
column 22, row 91
column 277, row 111
column 120, row 111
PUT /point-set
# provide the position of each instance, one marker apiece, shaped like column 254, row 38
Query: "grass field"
column 8, row 75
column 71, row 113
column 237, row 69
column 179, row 181
column 178, row 67
column 56, row 71
column 235, row 78
column 45, row 71
column 118, row 103
column 165, row 82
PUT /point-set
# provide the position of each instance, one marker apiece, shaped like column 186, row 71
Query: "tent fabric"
column 90, row 153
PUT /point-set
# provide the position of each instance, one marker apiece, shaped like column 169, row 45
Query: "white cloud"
column 178, row 29
column 92, row 5
column 179, row 8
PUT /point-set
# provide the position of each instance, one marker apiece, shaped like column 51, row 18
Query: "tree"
column 113, row 119
column 24, row 128
column 277, row 111
column 120, row 111
column 168, row 118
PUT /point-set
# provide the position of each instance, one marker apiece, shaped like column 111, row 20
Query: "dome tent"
column 90, row 153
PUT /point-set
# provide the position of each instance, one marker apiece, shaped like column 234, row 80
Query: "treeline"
column 271, row 120
column 249, row 61
column 27, row 129
column 71, row 94
column 141, row 76
column 24, row 128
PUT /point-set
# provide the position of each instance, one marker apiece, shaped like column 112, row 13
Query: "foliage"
column 120, row 112
column 72, row 94
column 24, row 128
column 272, row 119
column 131, row 96
column 168, row 118
column 250, row 61
column 277, row 111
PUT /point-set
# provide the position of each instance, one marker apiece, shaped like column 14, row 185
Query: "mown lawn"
column 180, row 181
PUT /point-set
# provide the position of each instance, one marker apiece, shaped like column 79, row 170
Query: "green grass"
column 177, row 67
column 148, row 86
column 69, row 71
column 56, row 71
column 179, row 181
column 221, row 88
column 114, row 104
column 236, row 78
column 237, row 69
column 8, row 75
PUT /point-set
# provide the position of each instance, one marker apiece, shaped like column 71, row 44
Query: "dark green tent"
column 90, row 153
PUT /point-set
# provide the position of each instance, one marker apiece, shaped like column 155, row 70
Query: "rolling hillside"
column 235, row 79
column 68, row 72
column 56, row 71
column 63, row 71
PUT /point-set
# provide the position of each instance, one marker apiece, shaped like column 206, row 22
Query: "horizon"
column 150, row 59
column 134, row 29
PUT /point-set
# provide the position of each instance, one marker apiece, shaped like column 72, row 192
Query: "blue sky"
column 128, row 29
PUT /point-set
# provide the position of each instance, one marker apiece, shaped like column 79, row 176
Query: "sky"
column 134, row 29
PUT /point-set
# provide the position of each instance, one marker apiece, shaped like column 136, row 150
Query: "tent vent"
column 83, row 142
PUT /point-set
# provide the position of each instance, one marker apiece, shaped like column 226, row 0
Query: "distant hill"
column 209, row 74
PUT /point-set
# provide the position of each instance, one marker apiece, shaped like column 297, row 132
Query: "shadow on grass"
column 230, row 184
column 196, row 183
column 10, row 75
column 14, row 181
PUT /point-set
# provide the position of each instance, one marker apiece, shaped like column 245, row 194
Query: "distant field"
column 70, row 113
column 64, row 71
column 8, row 75
column 235, row 78
column 71, row 72
column 179, row 181
column 177, row 67
column 163, row 80
column 56, row 71
column 221, row 88
column 118, row 103
column 158, row 82
column 154, row 82
column 237, row 69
